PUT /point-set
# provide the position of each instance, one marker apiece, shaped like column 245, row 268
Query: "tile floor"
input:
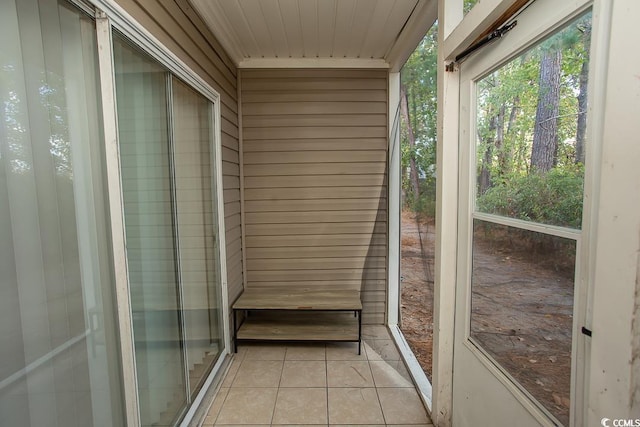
column 319, row 384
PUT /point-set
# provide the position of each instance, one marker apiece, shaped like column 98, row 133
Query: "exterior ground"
column 521, row 312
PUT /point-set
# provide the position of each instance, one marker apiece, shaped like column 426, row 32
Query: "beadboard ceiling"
column 332, row 33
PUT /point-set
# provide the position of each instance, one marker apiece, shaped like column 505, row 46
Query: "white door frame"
column 455, row 35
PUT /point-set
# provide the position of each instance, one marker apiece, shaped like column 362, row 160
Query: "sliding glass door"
column 197, row 225
column 143, row 123
column 166, row 139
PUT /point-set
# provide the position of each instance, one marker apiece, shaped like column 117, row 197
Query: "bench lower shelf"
column 296, row 326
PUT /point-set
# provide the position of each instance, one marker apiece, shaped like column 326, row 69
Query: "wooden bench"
column 277, row 314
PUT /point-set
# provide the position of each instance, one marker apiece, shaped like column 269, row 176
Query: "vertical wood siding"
column 178, row 27
column 315, row 162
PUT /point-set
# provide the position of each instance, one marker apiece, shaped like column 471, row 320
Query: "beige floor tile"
column 402, row 370
column 301, row 406
column 231, row 373
column 358, row 425
column 402, row 406
column 387, row 375
column 265, row 352
column 349, row 373
column 248, row 406
column 306, row 352
column 375, row 332
column 382, row 350
column 345, row 351
column 240, row 353
column 354, row 406
column 258, row 373
column 216, row 406
column 410, row 425
column 304, row 373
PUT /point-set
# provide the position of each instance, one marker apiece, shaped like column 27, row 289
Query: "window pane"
column 58, row 343
column 143, row 126
column 531, row 121
column 522, row 307
column 468, row 5
column 197, row 226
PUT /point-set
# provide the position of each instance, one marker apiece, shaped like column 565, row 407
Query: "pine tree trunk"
column 413, row 169
column 545, row 134
column 582, row 98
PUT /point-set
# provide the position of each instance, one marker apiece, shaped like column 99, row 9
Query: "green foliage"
column 419, row 78
column 553, row 198
column 506, row 104
column 468, row 5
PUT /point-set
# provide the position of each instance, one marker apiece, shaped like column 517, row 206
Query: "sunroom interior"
column 162, row 158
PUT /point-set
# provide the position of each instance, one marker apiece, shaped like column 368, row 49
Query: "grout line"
column 326, row 382
column 273, row 411
column 384, row 418
column 221, row 405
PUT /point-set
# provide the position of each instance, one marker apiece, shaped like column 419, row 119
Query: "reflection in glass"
column 58, row 346
column 143, row 126
column 522, row 306
column 531, row 122
column 197, row 225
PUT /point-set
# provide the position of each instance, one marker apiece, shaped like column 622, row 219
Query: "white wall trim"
column 449, row 15
column 415, row 370
column 222, row 235
column 394, row 209
column 614, row 384
column 243, row 242
column 597, row 93
column 422, row 18
column 313, row 63
column 116, row 216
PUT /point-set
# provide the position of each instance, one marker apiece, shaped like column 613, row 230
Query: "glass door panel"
column 522, row 308
column 58, row 341
column 197, row 230
column 145, row 155
column 529, row 175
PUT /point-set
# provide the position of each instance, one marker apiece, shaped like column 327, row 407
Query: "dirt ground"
column 521, row 313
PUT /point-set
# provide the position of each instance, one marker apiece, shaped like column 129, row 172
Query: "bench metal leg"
column 235, row 331
column 359, row 332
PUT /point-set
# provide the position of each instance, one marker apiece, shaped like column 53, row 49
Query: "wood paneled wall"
column 315, row 163
column 179, row 28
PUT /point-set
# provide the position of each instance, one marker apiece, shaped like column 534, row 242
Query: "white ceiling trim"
column 313, row 63
column 419, row 23
column 318, row 33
